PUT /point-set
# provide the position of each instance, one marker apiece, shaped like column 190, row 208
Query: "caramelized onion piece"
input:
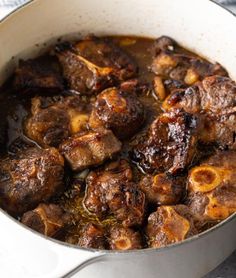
column 78, row 122
column 163, row 63
column 191, row 76
column 159, row 88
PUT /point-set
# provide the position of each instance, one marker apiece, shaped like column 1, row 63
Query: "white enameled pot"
column 201, row 26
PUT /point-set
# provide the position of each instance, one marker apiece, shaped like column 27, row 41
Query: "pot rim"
column 115, row 252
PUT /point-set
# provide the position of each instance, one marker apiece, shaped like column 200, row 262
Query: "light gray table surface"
column 228, row 268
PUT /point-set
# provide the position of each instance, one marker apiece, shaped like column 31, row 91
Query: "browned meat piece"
column 53, row 120
column 121, row 238
column 221, row 130
column 114, row 172
column 170, row 61
column 215, row 100
column 213, row 95
column 118, row 110
column 43, row 72
column 111, row 191
column 170, row 224
column 34, row 176
column 212, row 187
column 163, row 43
column 90, row 149
column 93, row 64
column 162, row 189
column 90, row 236
column 170, row 144
column 47, row 127
column 47, row 219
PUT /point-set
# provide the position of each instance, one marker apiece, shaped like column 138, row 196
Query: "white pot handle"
column 24, row 254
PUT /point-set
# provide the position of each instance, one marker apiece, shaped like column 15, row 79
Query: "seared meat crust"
column 181, row 69
column 54, row 119
column 32, row 177
column 111, row 191
column 47, row 219
column 170, row 224
column 170, row 144
column 214, row 101
column 94, row 64
column 118, row 110
column 39, row 73
column 92, row 148
column 89, row 236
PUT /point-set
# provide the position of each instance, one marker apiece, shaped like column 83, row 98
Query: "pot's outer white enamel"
column 201, row 26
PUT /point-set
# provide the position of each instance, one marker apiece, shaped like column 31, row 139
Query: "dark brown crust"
column 111, row 191
column 170, row 144
column 39, row 73
column 34, row 176
column 46, row 219
column 79, row 64
column 90, row 149
column 213, row 100
column 119, row 110
column 92, row 236
column 54, row 119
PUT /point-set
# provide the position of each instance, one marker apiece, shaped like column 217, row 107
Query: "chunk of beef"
column 212, row 187
column 53, row 120
column 121, row 238
column 118, row 110
column 187, row 99
column 163, row 43
column 32, row 177
column 93, row 64
column 90, row 149
column 163, row 189
column 170, row 144
column 43, row 73
column 170, row 61
column 111, row 191
column 47, row 219
column 89, row 236
column 213, row 95
column 170, row 224
column 219, row 129
column 214, row 99
column 47, row 127
column 115, row 172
